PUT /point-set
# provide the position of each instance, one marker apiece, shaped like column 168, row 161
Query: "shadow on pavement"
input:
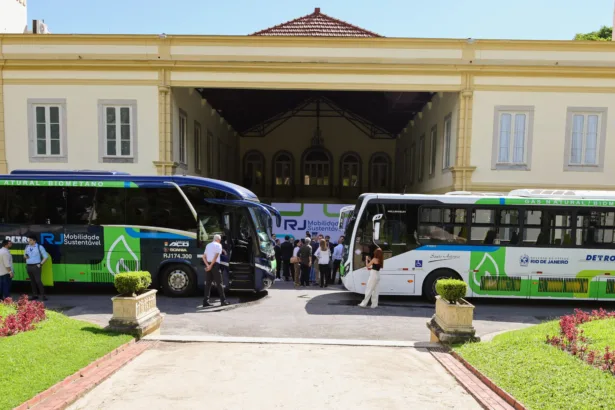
column 96, row 300
column 495, row 310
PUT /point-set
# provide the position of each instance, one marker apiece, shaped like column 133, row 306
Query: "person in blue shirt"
column 35, row 256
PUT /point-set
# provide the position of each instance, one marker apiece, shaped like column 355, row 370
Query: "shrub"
column 27, row 314
column 451, row 289
column 573, row 340
column 132, row 283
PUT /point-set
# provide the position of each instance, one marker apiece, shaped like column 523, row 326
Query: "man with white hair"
column 211, row 258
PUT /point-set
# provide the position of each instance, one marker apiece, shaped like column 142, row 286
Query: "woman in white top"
column 324, row 258
column 297, row 265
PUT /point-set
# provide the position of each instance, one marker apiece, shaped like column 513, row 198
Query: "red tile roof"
column 316, row 24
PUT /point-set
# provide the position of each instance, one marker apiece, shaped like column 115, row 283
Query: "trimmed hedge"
column 451, row 289
column 132, row 283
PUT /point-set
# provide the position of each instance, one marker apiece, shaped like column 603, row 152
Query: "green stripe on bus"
column 544, row 201
column 60, row 183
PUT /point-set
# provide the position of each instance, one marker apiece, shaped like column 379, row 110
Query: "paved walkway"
column 316, row 313
column 279, row 376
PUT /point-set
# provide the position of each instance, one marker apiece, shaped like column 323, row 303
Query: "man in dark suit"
column 286, row 252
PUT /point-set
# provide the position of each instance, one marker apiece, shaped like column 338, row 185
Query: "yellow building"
column 313, row 110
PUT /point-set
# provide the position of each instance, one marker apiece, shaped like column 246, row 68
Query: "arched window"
column 350, row 170
column 283, row 169
column 380, row 171
column 253, row 171
column 317, row 169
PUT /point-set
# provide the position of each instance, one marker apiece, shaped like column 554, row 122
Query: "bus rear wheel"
column 429, row 286
column 178, row 280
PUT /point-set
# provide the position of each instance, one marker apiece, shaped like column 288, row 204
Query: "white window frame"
column 198, row 133
column 182, row 138
column 601, row 112
column 102, row 131
column 433, row 146
column 421, row 161
column 447, row 143
column 528, row 136
column 33, row 154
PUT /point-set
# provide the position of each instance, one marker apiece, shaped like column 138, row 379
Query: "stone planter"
column 136, row 315
column 452, row 323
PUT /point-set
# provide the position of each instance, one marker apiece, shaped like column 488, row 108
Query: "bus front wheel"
column 178, row 280
column 429, row 286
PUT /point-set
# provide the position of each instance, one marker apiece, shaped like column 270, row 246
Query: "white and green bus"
column 542, row 244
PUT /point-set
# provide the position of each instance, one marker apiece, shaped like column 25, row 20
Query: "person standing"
column 375, row 264
column 315, row 272
column 6, row 270
column 278, row 259
column 305, row 260
column 296, row 264
column 36, row 256
column 287, row 253
column 211, row 257
column 323, row 255
column 338, row 252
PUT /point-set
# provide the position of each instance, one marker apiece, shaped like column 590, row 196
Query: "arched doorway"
column 283, row 175
column 380, row 173
column 254, row 172
column 316, row 173
column 350, row 175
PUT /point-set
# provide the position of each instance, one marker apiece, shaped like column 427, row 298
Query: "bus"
column 529, row 243
column 95, row 224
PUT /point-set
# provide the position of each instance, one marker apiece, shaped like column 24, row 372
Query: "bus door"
column 390, row 234
column 247, row 229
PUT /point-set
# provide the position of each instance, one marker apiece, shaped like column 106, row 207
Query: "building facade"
column 486, row 115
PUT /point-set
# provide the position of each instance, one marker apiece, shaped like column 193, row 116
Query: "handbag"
column 294, row 259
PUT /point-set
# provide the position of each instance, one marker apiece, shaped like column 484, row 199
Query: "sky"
column 481, row 19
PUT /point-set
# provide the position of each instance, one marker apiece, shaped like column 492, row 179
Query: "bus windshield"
column 262, row 224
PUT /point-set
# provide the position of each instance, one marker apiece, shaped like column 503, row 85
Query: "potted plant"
column 134, row 309
column 452, row 322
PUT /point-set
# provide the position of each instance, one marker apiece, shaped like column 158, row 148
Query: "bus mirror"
column 376, row 225
column 227, row 221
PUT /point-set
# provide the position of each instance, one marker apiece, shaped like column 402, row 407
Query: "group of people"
column 313, row 263
column 309, row 261
column 35, row 257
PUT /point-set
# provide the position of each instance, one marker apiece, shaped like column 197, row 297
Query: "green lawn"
column 36, row 360
column 6, row 310
column 600, row 334
column 541, row 376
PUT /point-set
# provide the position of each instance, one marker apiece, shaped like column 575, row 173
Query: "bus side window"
column 80, row 205
column 3, row 209
column 595, row 228
column 110, row 206
column 36, row 205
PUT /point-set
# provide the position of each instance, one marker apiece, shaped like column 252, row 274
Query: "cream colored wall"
column 549, row 136
column 82, row 124
column 197, row 109
column 442, row 105
column 340, row 136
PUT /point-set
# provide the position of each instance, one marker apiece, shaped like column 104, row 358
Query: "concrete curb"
column 302, row 341
column 64, row 386
column 500, row 392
